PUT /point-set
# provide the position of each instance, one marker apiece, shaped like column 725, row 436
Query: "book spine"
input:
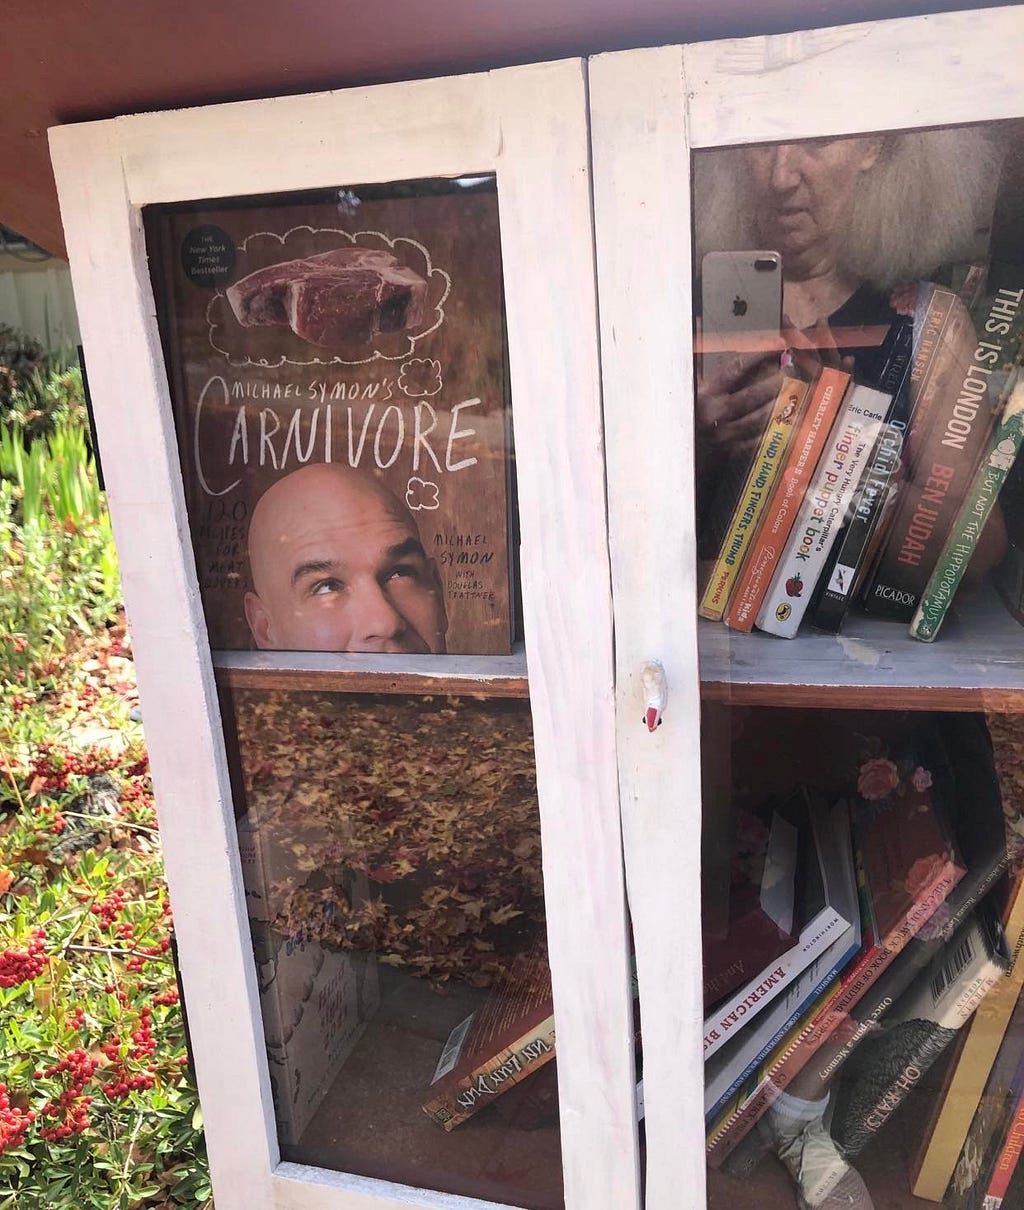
column 847, row 563
column 817, row 524
column 753, row 498
column 933, row 1168
column 461, row 1096
column 804, row 452
column 794, row 1057
column 824, row 984
column 725, row 1021
column 944, row 463
column 1008, row 1159
column 970, row 521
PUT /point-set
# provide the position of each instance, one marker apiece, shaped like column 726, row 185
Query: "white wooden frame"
column 528, row 125
column 650, row 110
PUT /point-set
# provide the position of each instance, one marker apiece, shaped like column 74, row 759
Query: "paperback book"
column 754, row 497
column 770, row 541
column 969, row 524
column 917, row 1029
column 821, row 516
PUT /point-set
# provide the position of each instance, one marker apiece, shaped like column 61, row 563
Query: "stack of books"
column 877, row 494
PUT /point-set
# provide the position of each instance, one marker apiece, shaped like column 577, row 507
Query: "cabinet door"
column 288, row 805
column 750, row 719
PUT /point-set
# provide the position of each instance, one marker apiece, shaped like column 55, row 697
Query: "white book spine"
column 821, row 515
column 730, row 1017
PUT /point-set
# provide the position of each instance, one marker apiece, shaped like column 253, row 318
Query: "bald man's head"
column 337, row 565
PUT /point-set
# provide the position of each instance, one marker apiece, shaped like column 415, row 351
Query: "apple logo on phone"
column 739, row 306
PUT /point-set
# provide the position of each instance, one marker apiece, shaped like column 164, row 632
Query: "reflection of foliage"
column 406, row 826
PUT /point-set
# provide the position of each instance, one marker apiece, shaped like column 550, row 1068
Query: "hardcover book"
column 511, row 1036
column 919, row 1027
column 823, row 860
column 819, row 519
column 950, row 432
column 804, row 451
column 337, row 375
column 726, row 1069
column 763, row 903
column 754, row 497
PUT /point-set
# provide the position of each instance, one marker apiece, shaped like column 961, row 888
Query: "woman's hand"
column 734, row 402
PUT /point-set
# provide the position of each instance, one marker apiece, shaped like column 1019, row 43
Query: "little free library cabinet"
column 573, row 540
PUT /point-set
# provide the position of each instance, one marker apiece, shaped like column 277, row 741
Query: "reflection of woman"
column 852, row 218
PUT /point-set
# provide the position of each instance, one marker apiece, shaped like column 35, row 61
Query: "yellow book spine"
column 757, row 490
column 985, row 1033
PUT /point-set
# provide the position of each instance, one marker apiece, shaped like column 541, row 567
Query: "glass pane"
column 337, row 372
column 859, row 415
column 392, row 866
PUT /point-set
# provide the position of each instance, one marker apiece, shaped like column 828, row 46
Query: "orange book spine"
column 805, row 450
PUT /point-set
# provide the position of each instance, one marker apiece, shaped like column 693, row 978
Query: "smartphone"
column 741, row 305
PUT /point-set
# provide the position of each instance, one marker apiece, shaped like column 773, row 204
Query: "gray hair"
column 926, row 202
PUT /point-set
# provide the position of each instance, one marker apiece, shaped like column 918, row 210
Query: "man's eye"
column 322, row 587
column 403, row 571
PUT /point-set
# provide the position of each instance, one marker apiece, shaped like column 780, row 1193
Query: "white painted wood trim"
column 548, row 253
column 879, row 75
column 642, row 215
column 483, row 668
column 129, row 390
column 528, row 125
column 299, row 1187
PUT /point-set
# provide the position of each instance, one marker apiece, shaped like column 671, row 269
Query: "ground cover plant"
column 98, row 1108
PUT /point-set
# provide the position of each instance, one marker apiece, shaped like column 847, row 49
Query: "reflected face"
column 803, row 192
column 337, row 565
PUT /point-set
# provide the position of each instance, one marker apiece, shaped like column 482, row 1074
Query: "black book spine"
column 845, row 564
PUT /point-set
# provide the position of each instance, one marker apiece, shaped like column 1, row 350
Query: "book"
column 1004, row 446
column 511, row 1036
column 850, row 557
column 727, row 1068
column 975, row 1163
column 823, row 924
column 821, row 515
column 762, row 922
column 805, row 448
column 916, row 1030
column 329, row 352
column 944, row 450
column 1009, row 1156
column 909, row 866
column 979, row 1043
column 754, row 496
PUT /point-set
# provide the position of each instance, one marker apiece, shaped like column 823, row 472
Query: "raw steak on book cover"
column 343, row 356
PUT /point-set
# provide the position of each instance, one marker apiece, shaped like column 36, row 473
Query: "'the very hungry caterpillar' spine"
column 751, row 502
column 818, row 522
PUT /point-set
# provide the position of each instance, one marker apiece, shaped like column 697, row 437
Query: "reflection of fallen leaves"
column 432, row 800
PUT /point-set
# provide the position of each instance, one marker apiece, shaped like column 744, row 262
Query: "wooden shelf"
column 502, row 676
column 977, row 663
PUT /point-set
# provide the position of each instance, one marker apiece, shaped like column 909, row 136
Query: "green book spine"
column 970, row 521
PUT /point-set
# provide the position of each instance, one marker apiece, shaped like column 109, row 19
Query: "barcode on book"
column 952, row 967
column 452, row 1048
